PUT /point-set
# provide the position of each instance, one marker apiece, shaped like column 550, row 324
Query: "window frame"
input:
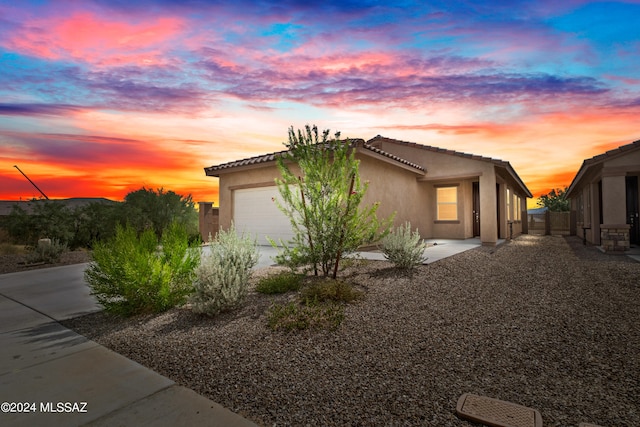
column 455, row 203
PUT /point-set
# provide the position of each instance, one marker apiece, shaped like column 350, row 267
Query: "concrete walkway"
column 437, row 249
column 49, row 375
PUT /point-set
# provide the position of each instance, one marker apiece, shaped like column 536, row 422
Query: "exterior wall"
column 208, row 220
column 397, row 192
column 601, row 197
column 457, row 170
column 412, row 197
column 394, row 188
column 247, row 178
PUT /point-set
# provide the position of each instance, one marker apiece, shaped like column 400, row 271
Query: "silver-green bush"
column 404, row 248
column 222, row 279
column 47, row 251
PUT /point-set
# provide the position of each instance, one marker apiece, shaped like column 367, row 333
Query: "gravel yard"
column 541, row 321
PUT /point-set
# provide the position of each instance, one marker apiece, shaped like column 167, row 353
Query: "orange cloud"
column 99, row 41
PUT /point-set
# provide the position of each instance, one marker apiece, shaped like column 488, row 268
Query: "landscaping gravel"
column 540, row 321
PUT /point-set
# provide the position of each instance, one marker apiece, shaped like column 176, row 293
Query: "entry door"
column 476, row 209
column 633, row 216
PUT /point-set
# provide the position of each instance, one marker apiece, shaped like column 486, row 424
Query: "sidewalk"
column 437, row 249
column 63, row 379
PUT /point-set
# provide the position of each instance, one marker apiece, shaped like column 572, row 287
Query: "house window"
column 518, row 208
column 447, row 201
column 509, row 214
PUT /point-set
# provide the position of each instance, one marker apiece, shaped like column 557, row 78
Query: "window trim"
column 439, row 220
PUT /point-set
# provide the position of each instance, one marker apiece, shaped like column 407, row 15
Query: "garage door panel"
column 256, row 213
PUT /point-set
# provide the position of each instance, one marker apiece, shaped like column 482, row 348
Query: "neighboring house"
column 444, row 194
column 604, row 194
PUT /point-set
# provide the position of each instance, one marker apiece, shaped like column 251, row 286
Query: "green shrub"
column 307, row 315
column 280, row 283
column 405, row 249
column 320, row 305
column 131, row 275
column 223, row 276
column 330, row 290
column 48, row 252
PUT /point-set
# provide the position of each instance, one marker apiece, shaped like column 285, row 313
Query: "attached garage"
column 255, row 213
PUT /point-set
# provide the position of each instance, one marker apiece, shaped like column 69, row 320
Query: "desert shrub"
column 309, row 314
column 404, row 248
column 222, row 279
column 280, row 283
column 48, row 252
column 131, row 274
column 320, row 305
column 330, row 290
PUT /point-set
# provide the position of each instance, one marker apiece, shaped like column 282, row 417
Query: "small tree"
column 155, row 209
column 323, row 204
column 555, row 200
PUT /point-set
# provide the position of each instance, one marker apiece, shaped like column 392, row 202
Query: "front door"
column 633, row 216
column 476, row 209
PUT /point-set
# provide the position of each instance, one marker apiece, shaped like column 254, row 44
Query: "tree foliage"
column 48, row 219
column 323, row 204
column 152, row 209
column 556, row 200
column 142, row 209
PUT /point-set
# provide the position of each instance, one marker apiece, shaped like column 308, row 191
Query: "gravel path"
column 541, row 321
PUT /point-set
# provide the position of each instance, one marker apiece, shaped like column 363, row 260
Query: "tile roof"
column 369, row 146
column 612, row 153
column 497, row 162
column 437, row 150
column 270, row 157
column 595, row 160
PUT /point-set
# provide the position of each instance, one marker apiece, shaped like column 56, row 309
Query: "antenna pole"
column 32, row 183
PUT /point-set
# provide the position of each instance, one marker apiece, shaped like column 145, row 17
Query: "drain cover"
column 497, row 413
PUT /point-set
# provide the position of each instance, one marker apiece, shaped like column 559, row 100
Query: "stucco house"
column 445, row 194
column 604, row 194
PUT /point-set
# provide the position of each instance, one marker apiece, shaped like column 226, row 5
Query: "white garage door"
column 255, row 212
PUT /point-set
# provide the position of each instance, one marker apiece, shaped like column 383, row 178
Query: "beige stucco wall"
column 396, row 190
column 611, row 173
column 408, row 194
column 261, row 175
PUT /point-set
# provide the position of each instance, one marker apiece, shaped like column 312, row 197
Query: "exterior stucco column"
column 488, row 214
column 614, row 231
column 613, row 191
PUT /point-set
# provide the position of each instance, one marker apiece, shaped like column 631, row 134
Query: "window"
column 518, row 208
column 509, row 214
column 447, row 201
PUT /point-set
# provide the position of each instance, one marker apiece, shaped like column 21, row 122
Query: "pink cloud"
column 96, row 40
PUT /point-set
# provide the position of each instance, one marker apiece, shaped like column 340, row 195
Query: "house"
column 445, row 194
column 604, row 194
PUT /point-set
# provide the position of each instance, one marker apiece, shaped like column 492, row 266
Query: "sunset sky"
column 99, row 98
